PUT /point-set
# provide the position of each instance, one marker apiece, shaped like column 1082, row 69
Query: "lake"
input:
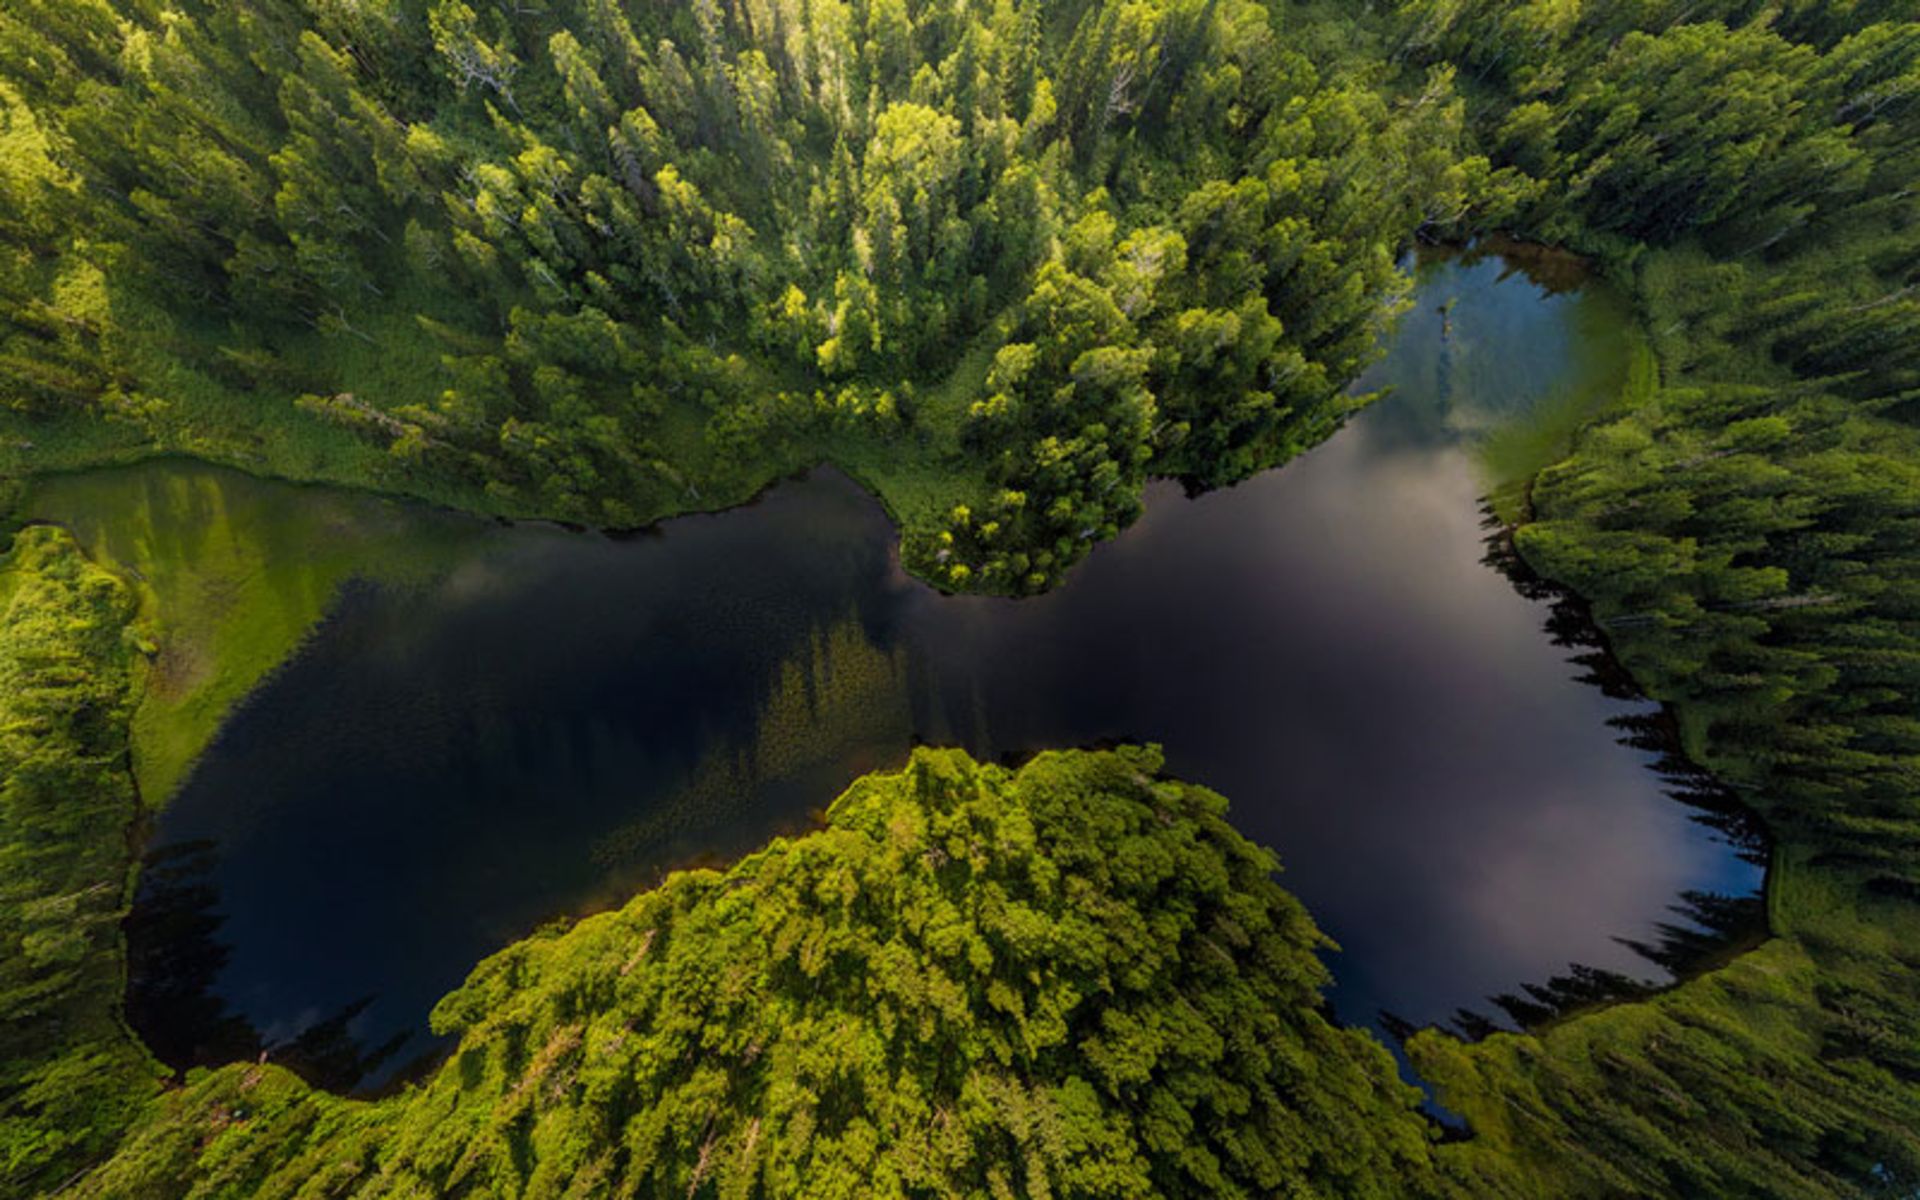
column 548, row 719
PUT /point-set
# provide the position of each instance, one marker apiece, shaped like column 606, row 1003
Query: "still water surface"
column 549, row 723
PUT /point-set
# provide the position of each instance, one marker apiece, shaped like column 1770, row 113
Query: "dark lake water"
column 549, row 723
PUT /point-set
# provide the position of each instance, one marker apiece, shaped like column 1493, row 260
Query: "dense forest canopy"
column 1002, row 261
column 604, row 259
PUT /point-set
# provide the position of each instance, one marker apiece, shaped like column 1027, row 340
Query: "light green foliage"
column 70, row 1078
column 1073, row 980
column 610, row 262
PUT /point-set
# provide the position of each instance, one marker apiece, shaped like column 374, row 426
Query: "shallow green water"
column 234, row 572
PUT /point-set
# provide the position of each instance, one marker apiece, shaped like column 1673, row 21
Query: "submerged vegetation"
column 1001, row 261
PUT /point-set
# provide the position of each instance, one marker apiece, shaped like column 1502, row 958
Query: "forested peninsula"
column 1002, row 262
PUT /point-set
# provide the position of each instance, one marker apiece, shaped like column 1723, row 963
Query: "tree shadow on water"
column 1709, row 928
column 175, row 959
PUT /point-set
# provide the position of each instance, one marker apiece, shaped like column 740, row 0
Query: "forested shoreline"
column 1743, row 526
column 608, row 262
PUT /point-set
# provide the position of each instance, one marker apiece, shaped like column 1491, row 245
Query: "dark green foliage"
column 1074, row 980
column 1754, row 550
column 1744, row 528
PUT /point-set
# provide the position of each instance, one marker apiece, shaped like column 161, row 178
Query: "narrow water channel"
column 554, row 718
